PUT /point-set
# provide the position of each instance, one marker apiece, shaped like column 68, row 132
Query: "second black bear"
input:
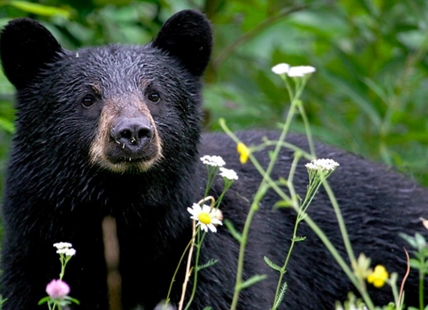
column 116, row 131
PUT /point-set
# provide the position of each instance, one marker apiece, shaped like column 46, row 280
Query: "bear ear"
column 187, row 35
column 25, row 46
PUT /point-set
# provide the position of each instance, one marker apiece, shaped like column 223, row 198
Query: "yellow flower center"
column 204, row 218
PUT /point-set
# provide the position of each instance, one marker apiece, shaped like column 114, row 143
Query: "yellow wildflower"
column 243, row 151
column 378, row 277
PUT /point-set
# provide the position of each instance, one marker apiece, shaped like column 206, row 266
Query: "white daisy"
column 215, row 161
column 281, row 68
column 228, row 174
column 205, row 216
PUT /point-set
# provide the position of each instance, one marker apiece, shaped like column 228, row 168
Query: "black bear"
column 116, row 131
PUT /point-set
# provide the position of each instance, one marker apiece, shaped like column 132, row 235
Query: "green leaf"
column 298, row 239
column 282, row 181
column 283, row 204
column 420, row 240
column 43, row 300
column 7, row 125
column 409, row 239
column 414, row 263
column 2, row 300
column 40, row 9
column 280, row 296
column 208, row 308
column 393, row 278
column 210, row 263
column 271, row 264
column 253, row 280
column 76, row 301
column 232, row 230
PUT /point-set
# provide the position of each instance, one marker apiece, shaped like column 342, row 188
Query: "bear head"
column 125, row 109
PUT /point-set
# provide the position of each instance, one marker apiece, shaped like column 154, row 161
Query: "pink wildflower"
column 57, row 289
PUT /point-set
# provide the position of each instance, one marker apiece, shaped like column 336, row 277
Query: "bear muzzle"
column 133, row 134
column 132, row 140
column 126, row 144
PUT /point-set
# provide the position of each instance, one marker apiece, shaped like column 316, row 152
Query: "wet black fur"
column 54, row 194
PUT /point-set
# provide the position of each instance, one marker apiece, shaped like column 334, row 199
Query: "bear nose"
column 132, row 133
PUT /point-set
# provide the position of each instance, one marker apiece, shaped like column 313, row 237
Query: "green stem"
column 240, row 268
column 318, row 231
column 332, row 249
column 341, row 223
column 307, row 129
column 293, row 240
column 291, row 173
column 254, row 206
column 176, row 269
column 212, row 173
column 220, row 198
column 421, row 290
column 63, row 263
column 301, row 213
column 395, row 294
column 283, row 144
column 284, row 267
column 195, row 269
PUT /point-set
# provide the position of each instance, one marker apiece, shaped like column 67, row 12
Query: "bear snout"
column 133, row 134
column 132, row 140
column 126, row 144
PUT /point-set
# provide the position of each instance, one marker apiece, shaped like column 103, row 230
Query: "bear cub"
column 115, row 131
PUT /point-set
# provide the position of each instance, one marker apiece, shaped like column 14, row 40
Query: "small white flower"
column 281, row 68
column 70, row 252
column 228, row 174
column 322, row 164
column 62, row 245
column 300, row 71
column 205, row 216
column 61, row 251
column 215, row 161
column 66, row 252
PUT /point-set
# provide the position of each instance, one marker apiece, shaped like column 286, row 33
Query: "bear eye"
column 154, row 97
column 88, row 100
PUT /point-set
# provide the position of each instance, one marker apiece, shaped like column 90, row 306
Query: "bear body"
column 115, row 131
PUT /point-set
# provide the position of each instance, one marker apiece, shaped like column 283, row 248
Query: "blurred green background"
column 368, row 95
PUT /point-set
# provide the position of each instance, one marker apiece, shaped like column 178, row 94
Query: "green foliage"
column 271, row 264
column 252, row 280
column 352, row 303
column 210, row 263
column 39, row 9
column 419, row 262
column 2, row 301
